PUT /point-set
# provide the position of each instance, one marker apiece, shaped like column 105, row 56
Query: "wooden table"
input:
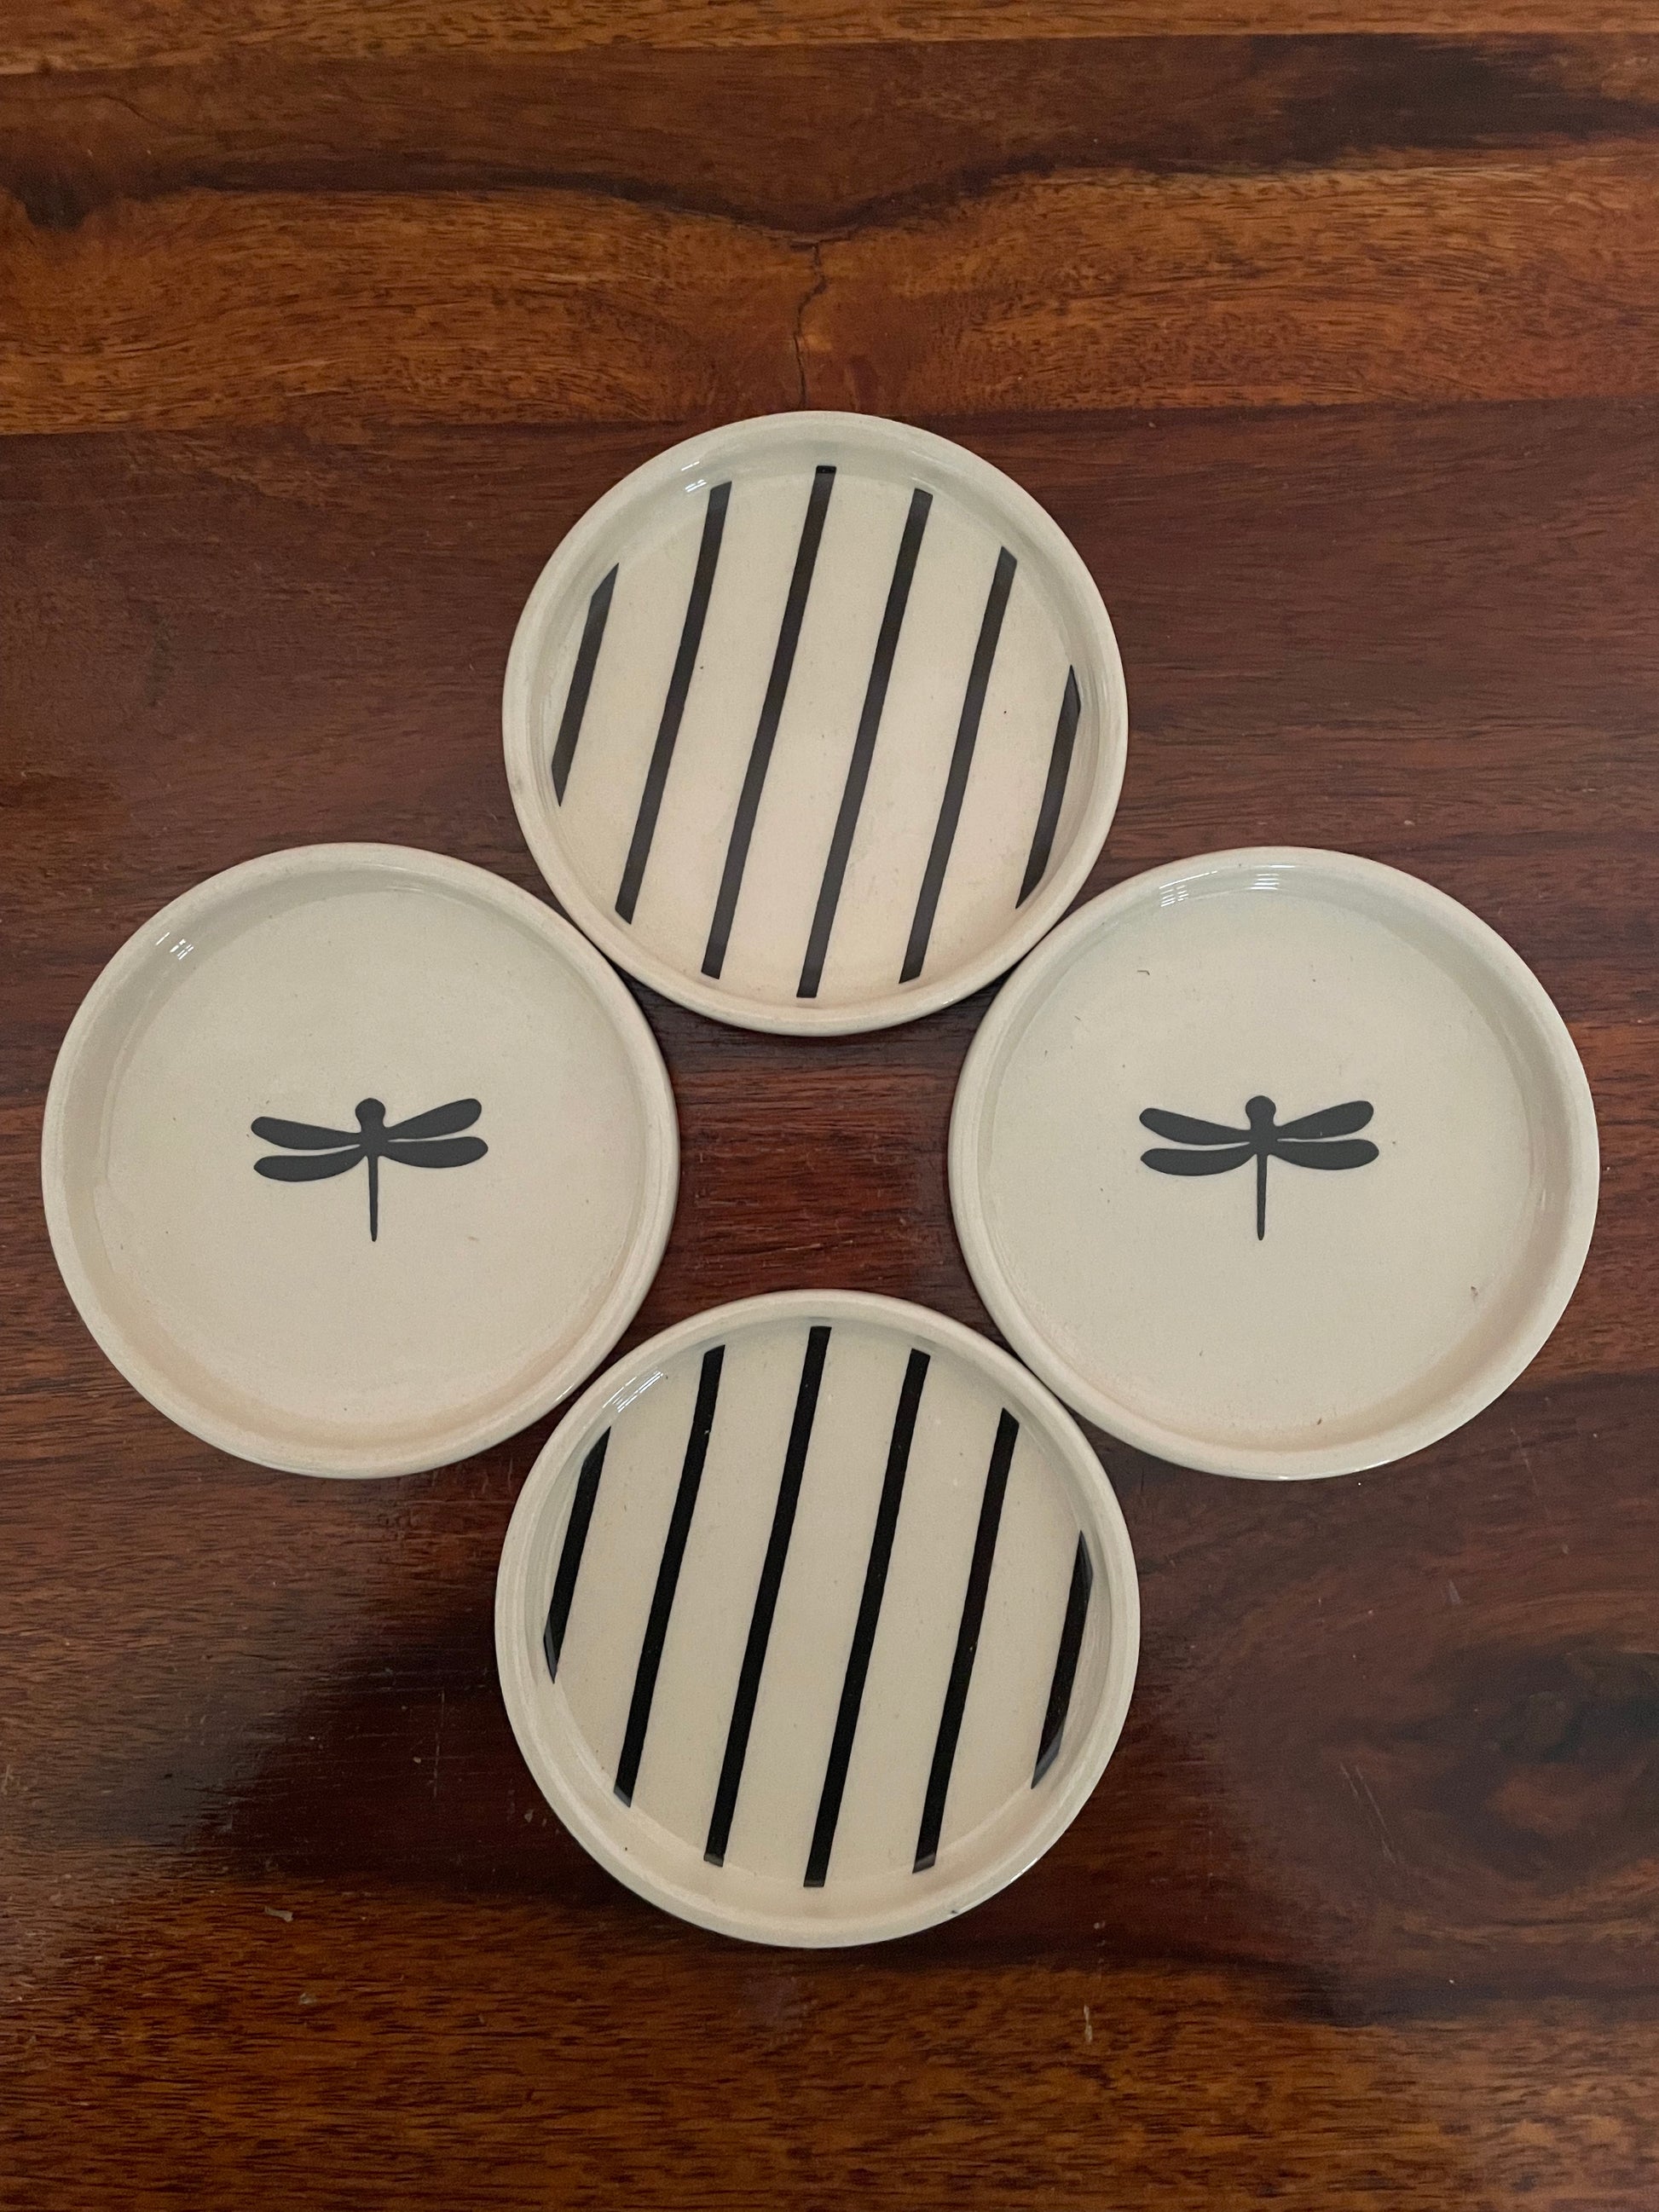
column 1331, row 335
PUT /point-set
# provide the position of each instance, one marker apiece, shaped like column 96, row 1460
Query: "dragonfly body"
column 426, row 1140
column 1324, row 1139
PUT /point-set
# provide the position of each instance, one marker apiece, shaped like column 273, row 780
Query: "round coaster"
column 815, row 723
column 232, row 1129
column 816, row 1620
column 1276, row 1163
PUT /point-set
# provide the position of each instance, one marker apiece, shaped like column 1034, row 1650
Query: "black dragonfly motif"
column 427, row 1140
column 1324, row 1139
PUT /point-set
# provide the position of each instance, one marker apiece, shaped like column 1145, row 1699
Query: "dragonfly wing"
column 1181, row 1129
column 301, row 1136
column 1333, row 1121
column 1335, row 1152
column 441, row 1121
column 311, row 1170
column 437, row 1151
column 1196, row 1164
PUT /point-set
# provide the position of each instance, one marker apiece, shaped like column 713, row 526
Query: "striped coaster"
column 816, row 1620
column 815, row 723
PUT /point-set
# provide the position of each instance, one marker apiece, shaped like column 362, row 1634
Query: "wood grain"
column 1335, row 356
column 198, row 310
column 63, row 34
column 1159, row 222
column 812, row 138
column 1476, row 280
column 1462, row 280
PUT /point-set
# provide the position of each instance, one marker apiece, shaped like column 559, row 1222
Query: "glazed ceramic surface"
column 357, row 1159
column 816, row 723
column 816, row 1620
column 1276, row 1163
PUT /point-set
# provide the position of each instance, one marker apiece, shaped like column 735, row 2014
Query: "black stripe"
column 1070, row 1642
column 864, row 745
column 570, row 1554
column 760, row 756
column 679, row 685
column 962, row 1666
column 956, row 784
column 766, row 1596
column 668, row 1574
column 864, row 1633
column 581, row 681
column 1053, row 791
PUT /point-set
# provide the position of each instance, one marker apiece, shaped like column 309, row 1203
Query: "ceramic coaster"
column 815, row 723
column 816, row 1620
column 1276, row 1163
column 232, row 1141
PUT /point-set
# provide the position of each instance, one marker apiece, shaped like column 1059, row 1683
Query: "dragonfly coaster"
column 816, row 1620
column 228, row 1137
column 1256, row 1011
column 815, row 723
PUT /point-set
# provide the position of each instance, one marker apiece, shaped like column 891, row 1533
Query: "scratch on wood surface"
column 1358, row 1783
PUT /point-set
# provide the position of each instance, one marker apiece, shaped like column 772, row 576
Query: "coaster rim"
column 101, row 1005
column 1095, row 1402
column 538, row 811
column 545, row 1494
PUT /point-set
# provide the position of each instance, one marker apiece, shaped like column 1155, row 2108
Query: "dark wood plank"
column 810, row 139
column 1149, row 223
column 489, row 307
column 1341, row 2113
column 66, row 34
column 371, row 2045
column 1471, row 278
